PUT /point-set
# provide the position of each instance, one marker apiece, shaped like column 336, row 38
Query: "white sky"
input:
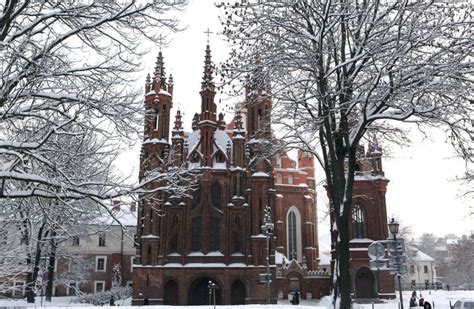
column 420, row 192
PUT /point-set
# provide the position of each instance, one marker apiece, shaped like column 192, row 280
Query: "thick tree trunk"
column 30, row 294
column 345, row 285
column 52, row 261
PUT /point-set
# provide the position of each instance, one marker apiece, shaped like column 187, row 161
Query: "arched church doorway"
column 171, row 293
column 237, row 293
column 199, row 292
column 365, row 283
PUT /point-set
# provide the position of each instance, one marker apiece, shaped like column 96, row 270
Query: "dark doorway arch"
column 237, row 293
column 199, row 292
column 365, row 283
column 171, row 293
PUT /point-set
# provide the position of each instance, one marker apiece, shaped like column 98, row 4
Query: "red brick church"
column 215, row 233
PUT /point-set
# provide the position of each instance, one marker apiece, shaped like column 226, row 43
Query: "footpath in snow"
column 438, row 299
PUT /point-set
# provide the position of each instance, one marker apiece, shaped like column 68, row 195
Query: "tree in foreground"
column 67, row 105
column 344, row 73
column 67, row 72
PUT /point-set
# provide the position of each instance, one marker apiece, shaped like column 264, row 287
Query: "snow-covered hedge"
column 104, row 297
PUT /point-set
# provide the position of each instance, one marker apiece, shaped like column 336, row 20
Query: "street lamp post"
column 393, row 227
column 267, row 228
column 212, row 293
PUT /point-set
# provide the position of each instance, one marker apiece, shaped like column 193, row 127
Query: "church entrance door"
column 199, row 292
column 365, row 283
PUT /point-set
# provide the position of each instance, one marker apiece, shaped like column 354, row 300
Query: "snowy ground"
column 440, row 299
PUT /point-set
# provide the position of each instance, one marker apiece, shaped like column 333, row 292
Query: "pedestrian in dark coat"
column 413, row 302
column 296, row 298
column 112, row 301
column 146, row 302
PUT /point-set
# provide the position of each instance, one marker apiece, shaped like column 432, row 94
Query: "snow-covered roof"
column 422, row 257
column 222, row 140
column 193, row 140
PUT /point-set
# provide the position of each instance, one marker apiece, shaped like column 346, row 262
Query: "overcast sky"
column 421, row 192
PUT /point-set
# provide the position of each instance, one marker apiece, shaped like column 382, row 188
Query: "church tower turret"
column 178, row 140
column 154, row 156
column 207, row 120
column 259, row 105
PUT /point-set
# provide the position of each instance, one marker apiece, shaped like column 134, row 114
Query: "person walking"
column 427, row 305
column 413, row 302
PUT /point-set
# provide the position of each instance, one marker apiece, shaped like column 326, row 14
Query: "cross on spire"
column 208, row 32
column 161, row 40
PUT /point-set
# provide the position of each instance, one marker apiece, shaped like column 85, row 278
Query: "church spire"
column 207, row 79
column 208, row 107
column 159, row 76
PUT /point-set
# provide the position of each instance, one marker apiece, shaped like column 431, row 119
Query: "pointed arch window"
column 292, row 239
column 215, row 237
column 196, row 234
column 195, row 158
column 216, row 194
column 219, row 157
column 157, row 121
column 174, row 244
column 196, row 194
column 359, row 222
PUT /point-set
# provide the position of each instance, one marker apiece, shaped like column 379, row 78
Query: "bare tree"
column 67, row 69
column 342, row 72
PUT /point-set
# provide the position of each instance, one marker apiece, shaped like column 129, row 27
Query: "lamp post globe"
column 393, row 226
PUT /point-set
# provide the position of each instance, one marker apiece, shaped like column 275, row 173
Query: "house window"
column 75, row 240
column 100, row 263
column 19, row 288
column 279, row 178
column 359, row 222
column 71, row 289
column 412, row 269
column 279, row 164
column 425, row 269
column 129, row 284
column 290, row 179
column 99, row 286
column 196, row 234
column 292, row 245
column 214, row 243
column 101, row 239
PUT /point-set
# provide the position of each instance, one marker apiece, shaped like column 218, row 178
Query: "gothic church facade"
column 214, row 233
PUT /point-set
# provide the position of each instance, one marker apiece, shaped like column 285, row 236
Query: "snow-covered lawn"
column 438, row 299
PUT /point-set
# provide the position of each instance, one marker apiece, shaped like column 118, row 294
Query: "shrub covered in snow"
column 104, row 297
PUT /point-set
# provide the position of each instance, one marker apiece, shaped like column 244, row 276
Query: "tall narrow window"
column 157, row 121
column 174, row 244
column 292, row 244
column 196, row 234
column 359, row 222
column 101, row 239
column 196, row 193
column 215, row 237
column 237, row 241
column 216, row 194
